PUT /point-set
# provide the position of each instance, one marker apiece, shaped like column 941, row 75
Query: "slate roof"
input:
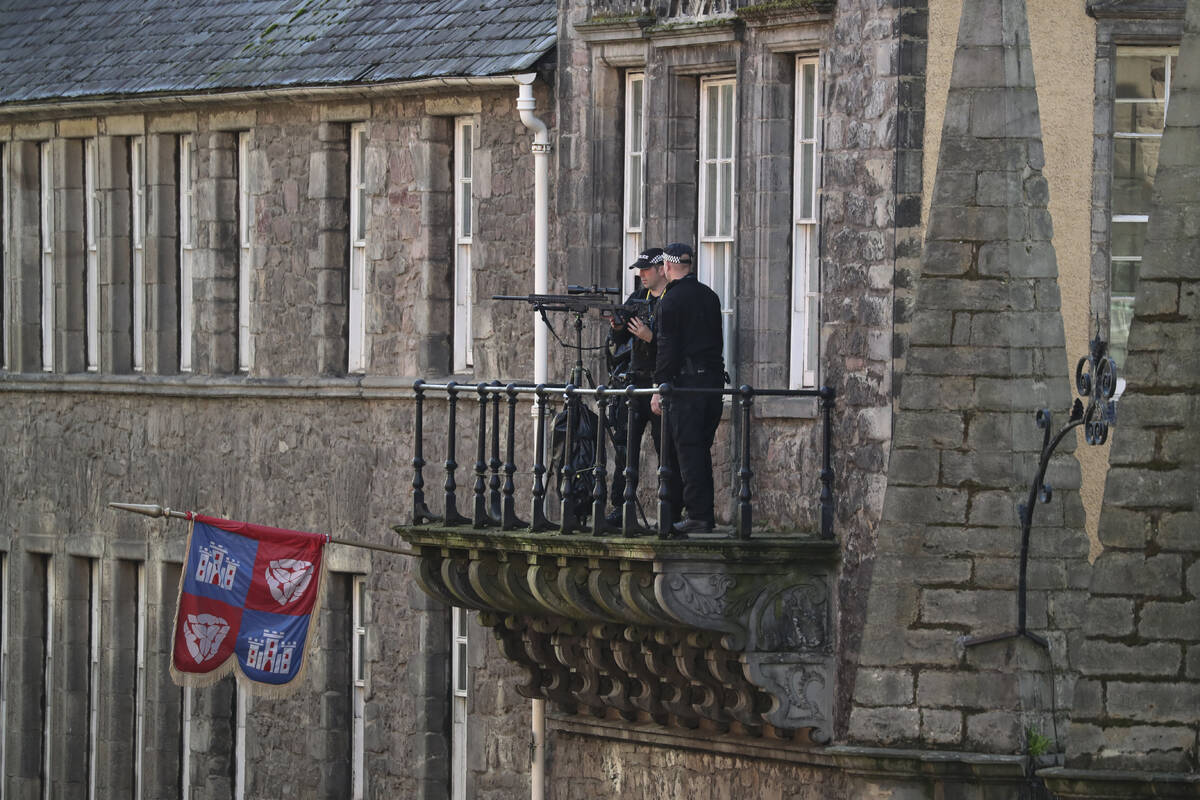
column 61, row 49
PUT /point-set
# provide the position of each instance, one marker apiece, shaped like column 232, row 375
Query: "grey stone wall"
column 1139, row 664
column 985, row 353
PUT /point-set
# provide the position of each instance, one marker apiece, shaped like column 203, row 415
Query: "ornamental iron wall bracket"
column 697, row 634
column 1095, row 381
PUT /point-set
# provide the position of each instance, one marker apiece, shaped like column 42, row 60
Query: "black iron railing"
column 494, row 489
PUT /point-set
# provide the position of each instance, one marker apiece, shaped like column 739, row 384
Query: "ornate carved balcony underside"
column 732, row 636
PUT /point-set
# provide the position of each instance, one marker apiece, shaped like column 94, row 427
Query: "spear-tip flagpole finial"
column 148, row 509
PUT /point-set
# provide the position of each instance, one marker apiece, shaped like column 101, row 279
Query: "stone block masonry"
column 1147, row 714
column 974, row 377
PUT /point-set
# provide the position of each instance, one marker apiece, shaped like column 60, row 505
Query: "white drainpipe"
column 541, row 283
column 541, row 210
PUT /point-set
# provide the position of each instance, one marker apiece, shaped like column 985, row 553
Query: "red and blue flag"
column 246, row 597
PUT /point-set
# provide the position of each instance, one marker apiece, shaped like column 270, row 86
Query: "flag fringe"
column 271, row 691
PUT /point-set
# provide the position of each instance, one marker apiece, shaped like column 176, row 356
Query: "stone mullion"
column 215, row 282
column 70, row 269
column 163, row 706
column 118, row 670
column 433, row 253
column 25, row 673
column 162, row 254
column 115, row 254
column 329, row 186
column 24, row 259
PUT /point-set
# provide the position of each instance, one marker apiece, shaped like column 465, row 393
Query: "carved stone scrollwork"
column 676, row 633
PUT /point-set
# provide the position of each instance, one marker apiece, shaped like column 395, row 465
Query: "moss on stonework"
column 772, row 6
column 611, row 19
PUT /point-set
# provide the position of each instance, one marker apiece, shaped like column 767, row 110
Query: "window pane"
column 814, row 271
column 726, row 199
column 460, row 683
column 1141, row 77
column 807, row 153
column 465, row 144
column 635, row 115
column 1139, row 117
column 1128, row 239
column 810, row 101
column 710, row 199
column 812, row 318
column 1124, row 278
column 727, row 121
column 1134, row 164
column 465, row 211
column 712, row 134
column 635, row 192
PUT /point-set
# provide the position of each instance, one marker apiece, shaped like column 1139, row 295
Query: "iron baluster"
column 566, row 489
column 599, row 474
column 480, row 516
column 664, row 466
column 452, row 515
column 508, row 515
column 421, row 512
column 745, row 514
column 828, row 397
column 629, row 524
column 538, row 521
column 494, row 464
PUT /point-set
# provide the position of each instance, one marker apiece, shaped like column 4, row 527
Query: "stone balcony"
column 731, row 631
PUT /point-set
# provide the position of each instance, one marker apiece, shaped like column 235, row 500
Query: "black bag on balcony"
column 580, row 462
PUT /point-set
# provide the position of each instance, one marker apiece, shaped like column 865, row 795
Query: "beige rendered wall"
column 1064, row 45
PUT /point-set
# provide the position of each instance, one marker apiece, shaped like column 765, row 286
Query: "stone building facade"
column 221, row 276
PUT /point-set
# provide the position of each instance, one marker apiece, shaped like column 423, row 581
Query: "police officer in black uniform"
column 636, row 336
column 690, row 347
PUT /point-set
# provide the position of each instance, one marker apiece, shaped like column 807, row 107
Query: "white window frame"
column 137, row 229
column 358, row 686
column 459, row 698
column 1171, row 55
column 464, row 230
column 6, row 311
column 51, row 600
column 804, row 367
column 139, row 690
column 633, row 205
column 241, row 713
column 46, row 226
column 717, row 221
column 91, row 219
column 186, row 251
column 245, row 253
column 357, row 305
column 185, row 743
column 95, row 617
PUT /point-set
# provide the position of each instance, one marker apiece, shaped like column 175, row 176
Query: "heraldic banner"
column 246, row 598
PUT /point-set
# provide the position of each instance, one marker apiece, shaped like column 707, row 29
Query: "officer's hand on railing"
column 656, row 404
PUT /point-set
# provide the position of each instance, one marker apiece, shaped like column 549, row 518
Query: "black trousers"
column 642, row 417
column 693, row 419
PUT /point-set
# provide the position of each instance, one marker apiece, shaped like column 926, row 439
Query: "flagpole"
column 151, row 510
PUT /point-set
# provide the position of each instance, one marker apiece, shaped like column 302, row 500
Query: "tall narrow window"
column 806, row 213
column 635, row 173
column 94, row 617
column 46, row 228
column 137, row 238
column 464, row 221
column 3, row 285
column 186, row 246
column 458, row 700
column 48, row 675
column 358, row 700
column 3, row 659
column 139, row 710
column 1143, row 92
column 91, row 219
column 245, row 265
column 358, row 249
column 717, row 198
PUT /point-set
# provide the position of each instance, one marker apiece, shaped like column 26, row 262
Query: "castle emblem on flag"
column 287, row 579
column 216, row 567
column 270, row 653
column 246, row 604
column 204, row 634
